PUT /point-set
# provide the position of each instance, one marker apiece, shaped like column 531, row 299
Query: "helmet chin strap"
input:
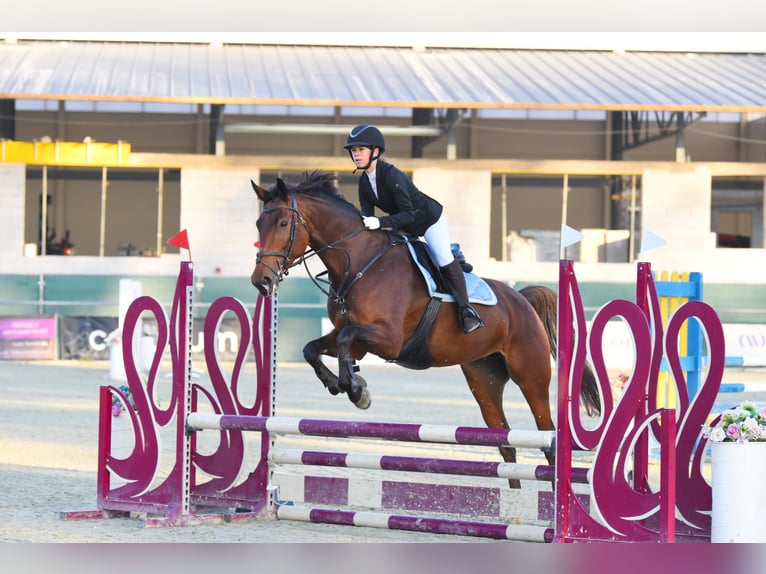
column 369, row 163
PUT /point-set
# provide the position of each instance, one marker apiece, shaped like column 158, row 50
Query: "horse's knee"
column 311, row 351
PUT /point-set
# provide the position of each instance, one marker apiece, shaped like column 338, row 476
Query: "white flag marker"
column 650, row 241
column 569, row 236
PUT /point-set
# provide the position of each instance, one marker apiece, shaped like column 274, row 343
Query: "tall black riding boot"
column 469, row 318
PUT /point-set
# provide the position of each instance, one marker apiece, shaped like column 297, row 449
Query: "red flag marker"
column 181, row 239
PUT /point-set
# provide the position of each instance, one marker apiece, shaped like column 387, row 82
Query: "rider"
column 385, row 186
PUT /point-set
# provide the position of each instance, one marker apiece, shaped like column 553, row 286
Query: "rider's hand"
column 371, row 222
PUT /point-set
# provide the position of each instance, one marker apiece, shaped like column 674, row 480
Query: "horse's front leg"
column 313, row 351
column 356, row 337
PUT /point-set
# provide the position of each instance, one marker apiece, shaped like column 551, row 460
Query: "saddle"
column 478, row 289
column 414, row 354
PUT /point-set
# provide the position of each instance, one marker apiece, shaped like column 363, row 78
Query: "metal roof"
column 382, row 76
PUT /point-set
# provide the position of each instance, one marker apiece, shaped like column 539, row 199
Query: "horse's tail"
column 543, row 301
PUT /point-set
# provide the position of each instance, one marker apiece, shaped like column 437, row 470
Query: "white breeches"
column 438, row 240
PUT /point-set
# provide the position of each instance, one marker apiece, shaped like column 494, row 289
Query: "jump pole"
column 410, row 432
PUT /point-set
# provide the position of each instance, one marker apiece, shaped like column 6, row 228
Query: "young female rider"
column 410, row 210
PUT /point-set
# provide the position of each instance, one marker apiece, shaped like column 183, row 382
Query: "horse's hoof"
column 364, row 401
column 360, row 396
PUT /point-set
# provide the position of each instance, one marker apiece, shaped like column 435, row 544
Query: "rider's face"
column 361, row 155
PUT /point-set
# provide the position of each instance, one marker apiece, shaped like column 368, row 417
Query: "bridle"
column 287, row 254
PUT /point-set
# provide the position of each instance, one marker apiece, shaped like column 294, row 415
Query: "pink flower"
column 116, row 409
column 732, row 431
column 623, row 378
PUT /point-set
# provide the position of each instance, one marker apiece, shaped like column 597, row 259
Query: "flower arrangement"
column 744, row 423
column 117, row 404
column 618, row 384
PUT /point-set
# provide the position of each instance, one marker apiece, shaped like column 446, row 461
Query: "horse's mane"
column 321, row 184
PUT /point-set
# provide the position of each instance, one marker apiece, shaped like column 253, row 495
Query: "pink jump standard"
column 200, row 484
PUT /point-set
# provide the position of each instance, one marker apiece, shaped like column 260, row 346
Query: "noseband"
column 287, row 254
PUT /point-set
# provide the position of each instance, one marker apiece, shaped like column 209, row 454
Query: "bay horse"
column 376, row 298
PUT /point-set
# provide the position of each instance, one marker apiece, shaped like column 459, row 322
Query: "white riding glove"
column 371, row 222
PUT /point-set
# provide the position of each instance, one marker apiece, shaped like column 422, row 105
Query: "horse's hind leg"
column 486, row 378
column 534, row 380
column 313, row 351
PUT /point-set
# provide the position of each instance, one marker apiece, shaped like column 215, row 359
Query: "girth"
column 414, row 353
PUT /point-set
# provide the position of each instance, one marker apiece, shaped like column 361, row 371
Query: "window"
column 73, row 211
column 737, row 213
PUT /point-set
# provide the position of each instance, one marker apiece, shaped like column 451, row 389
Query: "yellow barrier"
column 65, row 153
column 666, row 394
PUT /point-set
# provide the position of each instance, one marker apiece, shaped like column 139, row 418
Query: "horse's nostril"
column 264, row 285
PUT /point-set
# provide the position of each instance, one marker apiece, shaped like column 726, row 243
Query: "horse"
column 376, row 298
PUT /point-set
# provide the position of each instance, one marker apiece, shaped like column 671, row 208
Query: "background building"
column 131, row 141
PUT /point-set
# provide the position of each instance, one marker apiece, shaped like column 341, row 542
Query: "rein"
column 340, row 294
column 287, row 253
column 284, row 269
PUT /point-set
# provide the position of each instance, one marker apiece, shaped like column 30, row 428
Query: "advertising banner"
column 23, row 338
column 85, row 337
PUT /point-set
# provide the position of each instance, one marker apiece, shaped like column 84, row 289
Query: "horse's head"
column 283, row 236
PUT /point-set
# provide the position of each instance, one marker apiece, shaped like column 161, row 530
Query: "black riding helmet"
column 367, row 136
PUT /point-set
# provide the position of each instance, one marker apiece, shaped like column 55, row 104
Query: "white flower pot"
column 739, row 491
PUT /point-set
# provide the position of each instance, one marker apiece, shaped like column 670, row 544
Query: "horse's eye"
column 283, row 223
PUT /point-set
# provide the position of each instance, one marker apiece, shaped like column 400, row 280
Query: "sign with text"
column 86, row 337
column 23, row 338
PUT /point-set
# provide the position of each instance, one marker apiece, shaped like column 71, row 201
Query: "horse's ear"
column 260, row 192
column 282, row 188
